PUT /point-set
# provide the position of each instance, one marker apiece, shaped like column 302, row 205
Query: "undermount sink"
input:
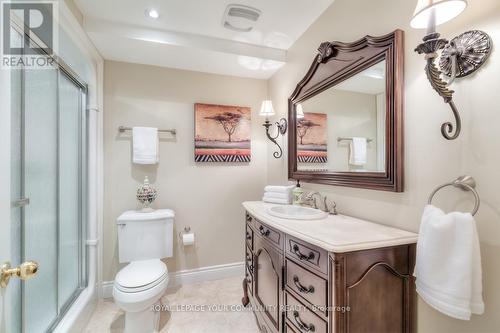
column 296, row 212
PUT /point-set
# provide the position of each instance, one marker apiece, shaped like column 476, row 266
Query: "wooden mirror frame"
column 334, row 63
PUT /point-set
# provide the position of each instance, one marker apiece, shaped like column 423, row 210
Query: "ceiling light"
column 152, row 13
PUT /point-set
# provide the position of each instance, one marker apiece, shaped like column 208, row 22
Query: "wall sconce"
column 267, row 111
column 460, row 57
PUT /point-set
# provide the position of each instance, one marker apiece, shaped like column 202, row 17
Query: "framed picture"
column 222, row 133
column 312, row 146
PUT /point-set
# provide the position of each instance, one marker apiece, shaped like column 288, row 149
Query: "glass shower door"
column 53, row 171
column 47, row 172
column 40, row 227
column 71, row 198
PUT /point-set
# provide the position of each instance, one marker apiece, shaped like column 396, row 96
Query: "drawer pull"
column 264, row 233
column 249, row 236
column 301, row 255
column 249, row 257
column 303, row 326
column 249, row 218
column 301, row 288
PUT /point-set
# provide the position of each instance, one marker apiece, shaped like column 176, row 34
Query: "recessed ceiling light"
column 152, row 13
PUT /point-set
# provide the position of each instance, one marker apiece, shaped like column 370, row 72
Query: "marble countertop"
column 335, row 233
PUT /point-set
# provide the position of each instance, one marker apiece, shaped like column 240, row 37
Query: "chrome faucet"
column 329, row 206
column 309, row 199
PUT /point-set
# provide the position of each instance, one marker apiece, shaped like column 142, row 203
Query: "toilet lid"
column 141, row 273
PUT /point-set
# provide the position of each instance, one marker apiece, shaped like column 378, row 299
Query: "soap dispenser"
column 297, row 194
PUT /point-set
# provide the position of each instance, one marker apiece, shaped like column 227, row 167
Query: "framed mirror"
column 346, row 116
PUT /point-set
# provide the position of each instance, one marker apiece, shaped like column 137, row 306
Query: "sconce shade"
column 266, row 110
column 444, row 10
column 300, row 111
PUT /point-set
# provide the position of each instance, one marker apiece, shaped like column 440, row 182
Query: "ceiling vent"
column 240, row 18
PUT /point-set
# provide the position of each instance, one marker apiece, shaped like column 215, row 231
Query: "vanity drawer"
column 289, row 329
column 301, row 318
column 249, row 236
column 307, row 254
column 311, row 287
column 273, row 236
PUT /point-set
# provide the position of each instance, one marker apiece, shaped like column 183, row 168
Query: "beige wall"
column 207, row 196
column 430, row 160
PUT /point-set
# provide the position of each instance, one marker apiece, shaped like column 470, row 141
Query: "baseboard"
column 107, row 289
column 191, row 276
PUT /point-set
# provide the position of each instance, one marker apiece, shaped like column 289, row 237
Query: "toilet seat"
column 141, row 275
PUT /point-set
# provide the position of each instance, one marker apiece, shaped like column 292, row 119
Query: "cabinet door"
column 268, row 264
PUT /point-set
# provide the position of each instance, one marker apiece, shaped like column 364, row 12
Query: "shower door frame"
column 61, row 69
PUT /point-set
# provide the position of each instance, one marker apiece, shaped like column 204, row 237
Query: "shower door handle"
column 25, row 271
column 21, row 202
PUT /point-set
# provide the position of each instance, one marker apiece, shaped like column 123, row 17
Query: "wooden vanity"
column 339, row 274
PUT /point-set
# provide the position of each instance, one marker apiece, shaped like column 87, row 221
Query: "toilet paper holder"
column 185, row 231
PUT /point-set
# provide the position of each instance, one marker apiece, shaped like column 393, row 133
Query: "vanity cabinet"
column 297, row 287
column 268, row 281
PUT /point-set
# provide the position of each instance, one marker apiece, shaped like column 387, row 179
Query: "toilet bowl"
column 138, row 287
column 143, row 239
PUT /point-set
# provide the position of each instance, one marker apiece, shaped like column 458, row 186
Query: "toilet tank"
column 143, row 236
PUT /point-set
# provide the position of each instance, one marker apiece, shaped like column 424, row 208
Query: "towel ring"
column 465, row 183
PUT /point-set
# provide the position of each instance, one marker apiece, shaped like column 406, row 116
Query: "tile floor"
column 206, row 295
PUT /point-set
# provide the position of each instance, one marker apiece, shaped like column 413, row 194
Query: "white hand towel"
column 357, row 154
column 145, row 145
column 279, row 189
column 278, row 195
column 448, row 264
column 276, row 200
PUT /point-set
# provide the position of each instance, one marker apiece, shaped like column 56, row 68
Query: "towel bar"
column 123, row 129
column 347, row 139
column 465, row 183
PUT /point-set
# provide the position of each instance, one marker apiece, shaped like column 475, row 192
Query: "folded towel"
column 357, row 154
column 279, row 189
column 278, row 195
column 276, row 200
column 448, row 264
column 145, row 145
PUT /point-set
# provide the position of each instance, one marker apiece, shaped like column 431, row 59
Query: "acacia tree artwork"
column 312, row 138
column 222, row 133
column 303, row 126
column 228, row 120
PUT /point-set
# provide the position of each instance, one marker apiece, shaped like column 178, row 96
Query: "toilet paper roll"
column 188, row 238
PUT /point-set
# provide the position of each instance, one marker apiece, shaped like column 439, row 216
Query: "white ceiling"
column 189, row 33
column 370, row 81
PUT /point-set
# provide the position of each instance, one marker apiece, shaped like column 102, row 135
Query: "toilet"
column 144, row 238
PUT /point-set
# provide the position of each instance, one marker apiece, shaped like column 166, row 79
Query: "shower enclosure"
column 48, row 193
